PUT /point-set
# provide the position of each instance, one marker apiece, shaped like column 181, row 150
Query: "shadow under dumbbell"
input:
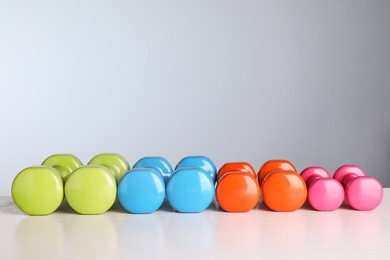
column 165, row 206
column 214, row 206
column 65, row 208
column 345, row 205
column 263, row 207
column 307, row 206
column 117, row 207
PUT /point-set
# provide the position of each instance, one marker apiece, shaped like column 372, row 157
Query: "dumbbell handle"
column 347, row 178
column 313, row 178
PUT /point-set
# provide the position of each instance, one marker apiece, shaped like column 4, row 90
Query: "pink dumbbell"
column 362, row 192
column 324, row 193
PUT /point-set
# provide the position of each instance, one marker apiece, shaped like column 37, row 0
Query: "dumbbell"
column 39, row 190
column 323, row 192
column 237, row 189
column 282, row 187
column 362, row 192
column 200, row 162
column 65, row 164
column 191, row 187
column 113, row 161
column 92, row 189
column 142, row 189
column 158, row 163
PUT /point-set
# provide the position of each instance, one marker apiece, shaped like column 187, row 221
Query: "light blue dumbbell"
column 191, row 187
column 200, row 162
column 141, row 190
column 158, row 163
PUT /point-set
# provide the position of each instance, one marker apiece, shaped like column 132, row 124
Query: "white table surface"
column 258, row 234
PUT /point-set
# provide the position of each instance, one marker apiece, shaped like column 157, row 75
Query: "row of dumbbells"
column 191, row 187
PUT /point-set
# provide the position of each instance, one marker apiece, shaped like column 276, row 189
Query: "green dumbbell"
column 65, row 164
column 39, row 190
column 92, row 189
column 112, row 161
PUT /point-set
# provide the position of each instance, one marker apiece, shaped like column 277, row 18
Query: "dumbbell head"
column 160, row 164
column 236, row 166
column 324, row 193
column 190, row 190
column 199, row 161
column 65, row 164
column 273, row 165
column 112, row 161
column 141, row 190
column 282, row 189
column 91, row 189
column 237, row 189
column 362, row 192
column 38, row 190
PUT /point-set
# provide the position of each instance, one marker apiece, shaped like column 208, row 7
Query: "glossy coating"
column 141, row 191
column 273, row 165
column 237, row 191
column 324, row 193
column 284, row 191
column 91, row 189
column 314, row 173
column 160, row 164
column 65, row 164
column 346, row 173
column 236, row 166
column 38, row 190
column 362, row 192
column 112, row 161
column 199, row 161
column 190, row 190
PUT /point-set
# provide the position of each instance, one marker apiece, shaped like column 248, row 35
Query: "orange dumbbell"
column 282, row 187
column 237, row 189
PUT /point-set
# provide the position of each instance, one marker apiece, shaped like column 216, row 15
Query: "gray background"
column 240, row 80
